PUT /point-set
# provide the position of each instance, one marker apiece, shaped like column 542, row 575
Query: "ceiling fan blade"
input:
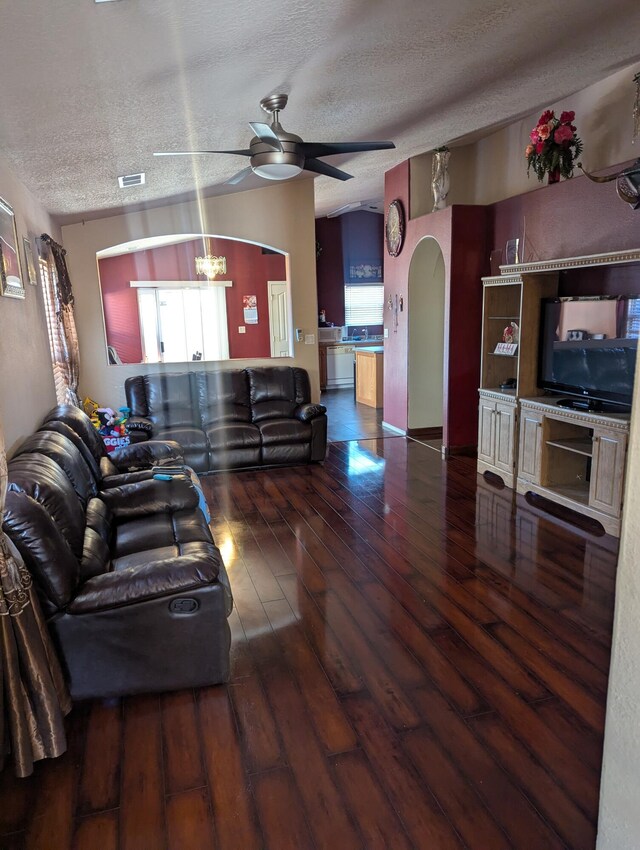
column 319, row 167
column 245, row 152
column 266, row 135
column 237, row 178
column 314, row 149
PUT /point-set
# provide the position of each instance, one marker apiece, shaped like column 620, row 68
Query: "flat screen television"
column 588, row 348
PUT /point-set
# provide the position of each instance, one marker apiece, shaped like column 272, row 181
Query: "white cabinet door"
column 607, row 471
column 505, row 428
column 486, row 430
column 530, row 457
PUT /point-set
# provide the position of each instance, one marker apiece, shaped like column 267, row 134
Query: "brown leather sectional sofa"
column 132, row 586
column 232, row 419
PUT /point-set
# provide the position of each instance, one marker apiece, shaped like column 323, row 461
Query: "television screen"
column 588, row 346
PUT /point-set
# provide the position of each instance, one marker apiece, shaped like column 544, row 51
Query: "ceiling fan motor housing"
column 290, row 158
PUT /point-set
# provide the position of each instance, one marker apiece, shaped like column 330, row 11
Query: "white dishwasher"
column 339, row 366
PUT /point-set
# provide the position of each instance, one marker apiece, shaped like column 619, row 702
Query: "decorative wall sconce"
column 211, row 266
column 396, row 305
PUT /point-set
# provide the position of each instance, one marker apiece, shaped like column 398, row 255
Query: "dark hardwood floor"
column 418, row 662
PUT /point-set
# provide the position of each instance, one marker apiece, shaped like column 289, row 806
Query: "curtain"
column 63, row 338
column 33, row 696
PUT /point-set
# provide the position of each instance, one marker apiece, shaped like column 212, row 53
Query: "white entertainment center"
column 573, row 457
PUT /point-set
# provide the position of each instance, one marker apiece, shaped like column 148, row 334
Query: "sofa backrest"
column 45, row 520
column 56, row 427
column 170, row 400
column 223, row 396
column 276, row 391
column 62, row 450
column 81, row 424
column 201, row 399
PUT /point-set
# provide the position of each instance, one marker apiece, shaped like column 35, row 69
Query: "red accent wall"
column 461, row 232
column 329, row 269
column 247, row 267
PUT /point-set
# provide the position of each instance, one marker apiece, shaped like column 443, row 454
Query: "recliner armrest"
column 140, row 423
column 145, row 455
column 306, row 412
column 151, row 497
column 165, row 577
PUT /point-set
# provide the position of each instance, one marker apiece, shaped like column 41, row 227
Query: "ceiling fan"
column 278, row 155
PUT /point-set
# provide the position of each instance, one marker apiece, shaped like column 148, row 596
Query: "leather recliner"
column 232, row 419
column 132, row 586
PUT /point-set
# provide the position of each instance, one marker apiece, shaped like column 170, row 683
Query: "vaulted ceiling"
column 89, row 90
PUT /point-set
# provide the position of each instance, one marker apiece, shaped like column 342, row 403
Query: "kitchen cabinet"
column 369, row 375
column 575, row 458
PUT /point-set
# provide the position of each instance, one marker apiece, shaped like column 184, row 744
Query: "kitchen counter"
column 349, row 342
column 374, row 349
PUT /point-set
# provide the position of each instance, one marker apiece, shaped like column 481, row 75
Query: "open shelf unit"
column 575, row 458
column 506, row 299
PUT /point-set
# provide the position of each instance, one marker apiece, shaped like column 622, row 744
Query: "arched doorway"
column 425, row 368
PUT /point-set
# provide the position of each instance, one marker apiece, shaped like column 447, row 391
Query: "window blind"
column 363, row 304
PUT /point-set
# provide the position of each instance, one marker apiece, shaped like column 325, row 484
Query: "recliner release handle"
column 185, row 605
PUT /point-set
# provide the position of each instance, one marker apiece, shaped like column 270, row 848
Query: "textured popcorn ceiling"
column 90, row 91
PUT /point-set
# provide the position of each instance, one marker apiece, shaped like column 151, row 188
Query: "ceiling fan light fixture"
column 277, row 170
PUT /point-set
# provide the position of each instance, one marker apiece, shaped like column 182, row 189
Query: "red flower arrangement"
column 554, row 146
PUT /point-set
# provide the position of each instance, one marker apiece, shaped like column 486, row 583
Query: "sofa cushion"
column 223, row 397
column 277, row 432
column 157, row 531
column 233, row 435
column 170, row 401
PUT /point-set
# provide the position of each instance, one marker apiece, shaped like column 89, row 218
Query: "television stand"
column 580, row 403
column 574, row 457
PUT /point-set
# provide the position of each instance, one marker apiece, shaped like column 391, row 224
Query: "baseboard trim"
column 467, row 451
column 393, row 428
column 425, row 433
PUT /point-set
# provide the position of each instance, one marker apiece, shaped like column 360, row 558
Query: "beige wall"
column 619, row 821
column 494, row 168
column 26, row 378
column 280, row 216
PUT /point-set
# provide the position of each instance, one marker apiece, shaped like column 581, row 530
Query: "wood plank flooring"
column 418, row 661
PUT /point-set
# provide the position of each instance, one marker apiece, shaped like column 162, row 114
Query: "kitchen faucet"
column 365, row 333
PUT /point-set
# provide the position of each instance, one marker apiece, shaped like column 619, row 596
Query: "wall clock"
column 394, row 228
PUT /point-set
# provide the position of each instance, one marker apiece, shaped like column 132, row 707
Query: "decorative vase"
column 553, row 176
column 440, row 178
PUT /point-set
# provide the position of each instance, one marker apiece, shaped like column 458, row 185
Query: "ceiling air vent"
column 131, row 180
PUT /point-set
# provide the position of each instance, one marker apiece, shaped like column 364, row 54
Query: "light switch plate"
column 299, row 334
column 309, row 339
column 386, row 333
column 242, row 329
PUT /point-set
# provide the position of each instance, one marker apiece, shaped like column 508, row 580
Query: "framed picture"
column 10, row 276
column 29, row 265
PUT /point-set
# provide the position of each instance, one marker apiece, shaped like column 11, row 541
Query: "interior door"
column 278, row 319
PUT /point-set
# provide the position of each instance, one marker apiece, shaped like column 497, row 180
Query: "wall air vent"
column 131, row 179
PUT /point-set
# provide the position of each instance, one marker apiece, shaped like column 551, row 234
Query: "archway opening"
column 425, row 370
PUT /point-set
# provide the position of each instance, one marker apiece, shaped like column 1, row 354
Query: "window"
column 363, row 304
column 181, row 324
